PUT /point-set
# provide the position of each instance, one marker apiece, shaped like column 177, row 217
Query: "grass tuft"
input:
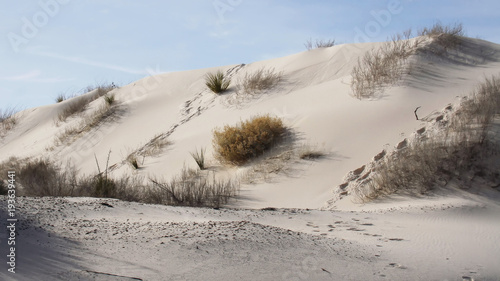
column 199, row 158
column 217, row 82
column 194, row 188
column 260, row 80
column 319, row 44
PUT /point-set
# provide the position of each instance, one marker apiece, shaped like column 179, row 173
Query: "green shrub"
column 217, row 82
column 238, row 144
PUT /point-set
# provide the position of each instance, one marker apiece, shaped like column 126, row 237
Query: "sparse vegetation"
column 3, row 188
column 132, row 159
column 110, row 99
column 262, row 79
column 199, row 158
column 448, row 36
column 194, row 188
column 319, row 44
column 102, row 114
column 308, row 152
column 238, row 144
column 441, row 157
column 8, row 119
column 382, row 66
column 79, row 104
column 387, row 64
column 217, row 82
column 60, row 98
column 43, row 177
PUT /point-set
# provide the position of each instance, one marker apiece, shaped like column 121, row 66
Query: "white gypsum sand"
column 443, row 236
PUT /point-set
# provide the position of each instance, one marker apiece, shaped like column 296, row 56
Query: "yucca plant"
column 199, row 157
column 217, row 82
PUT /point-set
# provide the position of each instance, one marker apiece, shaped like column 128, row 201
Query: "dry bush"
column 3, row 188
column 309, row 152
column 8, row 119
column 217, row 82
column 451, row 153
column 238, row 144
column 448, row 36
column 102, row 114
column 319, row 44
column 42, row 177
column 79, row 104
column 383, row 66
column 260, row 80
column 193, row 188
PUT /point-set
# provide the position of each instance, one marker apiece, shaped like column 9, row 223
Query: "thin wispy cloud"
column 22, row 77
column 88, row 62
column 33, row 76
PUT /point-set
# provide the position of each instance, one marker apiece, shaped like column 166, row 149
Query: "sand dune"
column 309, row 231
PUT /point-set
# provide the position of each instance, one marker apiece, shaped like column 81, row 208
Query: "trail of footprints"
column 355, row 225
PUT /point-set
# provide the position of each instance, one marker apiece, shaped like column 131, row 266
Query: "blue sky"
column 48, row 47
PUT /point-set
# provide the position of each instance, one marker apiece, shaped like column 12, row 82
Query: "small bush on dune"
column 8, row 119
column 262, row 79
column 79, row 104
column 217, row 82
column 110, row 99
column 382, row 66
column 319, row 44
column 238, row 144
column 60, row 98
column 448, row 36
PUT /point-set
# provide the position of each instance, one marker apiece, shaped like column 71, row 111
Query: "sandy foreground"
column 287, row 225
column 441, row 238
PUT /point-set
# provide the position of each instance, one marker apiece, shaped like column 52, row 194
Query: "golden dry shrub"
column 240, row 143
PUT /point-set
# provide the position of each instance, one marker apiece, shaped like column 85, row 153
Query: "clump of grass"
column 448, row 36
column 8, row 119
column 262, row 79
column 238, row 144
column 382, row 66
column 308, row 152
column 110, row 99
column 193, row 188
column 217, row 82
column 132, row 159
column 319, row 44
column 80, row 103
column 103, row 113
column 199, row 158
column 60, row 98
column 102, row 185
